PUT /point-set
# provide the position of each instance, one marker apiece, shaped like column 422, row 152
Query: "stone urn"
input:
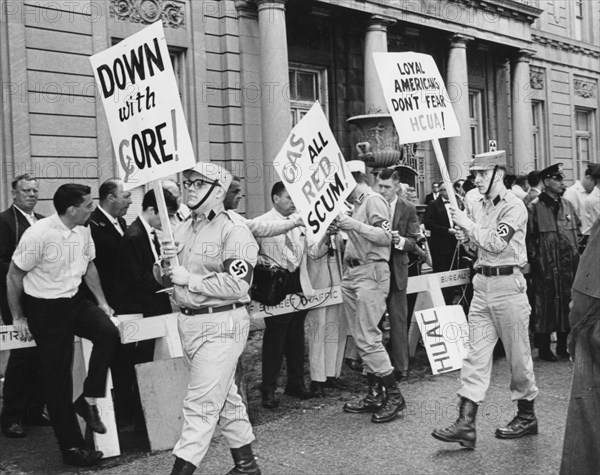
column 379, row 147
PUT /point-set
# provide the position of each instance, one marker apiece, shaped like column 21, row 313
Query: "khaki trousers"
column 365, row 289
column 499, row 309
column 212, row 344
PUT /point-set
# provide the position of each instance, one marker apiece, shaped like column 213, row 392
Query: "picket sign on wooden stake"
column 439, row 155
column 164, row 216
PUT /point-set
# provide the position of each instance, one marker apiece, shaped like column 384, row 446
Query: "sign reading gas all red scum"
column 314, row 172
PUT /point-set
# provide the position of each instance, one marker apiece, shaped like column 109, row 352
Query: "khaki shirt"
column 373, row 210
column 487, row 231
column 205, row 244
column 55, row 258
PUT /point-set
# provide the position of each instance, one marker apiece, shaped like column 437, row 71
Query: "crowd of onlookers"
column 559, row 225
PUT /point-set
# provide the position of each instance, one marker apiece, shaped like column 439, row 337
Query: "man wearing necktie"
column 22, row 393
column 284, row 334
column 442, row 241
column 135, row 291
column 108, row 226
column 135, row 287
column 182, row 212
column 405, row 228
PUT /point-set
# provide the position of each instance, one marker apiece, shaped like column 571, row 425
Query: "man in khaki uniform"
column 365, row 286
column 217, row 255
column 495, row 229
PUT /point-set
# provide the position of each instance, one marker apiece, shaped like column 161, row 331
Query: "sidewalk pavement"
column 316, row 436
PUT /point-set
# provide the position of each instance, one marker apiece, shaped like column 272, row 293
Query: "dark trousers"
column 53, row 324
column 398, row 313
column 443, row 263
column 284, row 336
column 23, row 394
column 542, row 341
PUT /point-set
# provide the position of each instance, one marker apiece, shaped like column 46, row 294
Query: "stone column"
column 274, row 76
column 457, row 83
column 522, row 137
column 375, row 42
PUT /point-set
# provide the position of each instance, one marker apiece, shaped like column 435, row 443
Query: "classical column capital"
column 459, row 40
column 274, row 4
column 523, row 56
column 379, row 22
column 246, row 8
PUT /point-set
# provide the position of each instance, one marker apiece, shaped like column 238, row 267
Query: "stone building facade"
column 523, row 74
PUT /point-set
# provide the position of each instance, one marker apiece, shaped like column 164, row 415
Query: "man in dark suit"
column 405, row 228
column 134, row 284
column 134, row 291
column 22, row 393
column 535, row 187
column 442, row 241
column 108, row 226
column 435, row 193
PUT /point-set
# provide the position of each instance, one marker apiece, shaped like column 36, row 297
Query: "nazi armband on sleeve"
column 239, row 268
column 505, row 231
column 385, row 225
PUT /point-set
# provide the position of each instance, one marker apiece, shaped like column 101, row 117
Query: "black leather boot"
column 393, row 402
column 463, row 429
column 524, row 423
column 182, row 467
column 245, row 463
column 372, row 402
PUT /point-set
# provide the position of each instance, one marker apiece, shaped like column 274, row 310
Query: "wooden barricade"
column 132, row 328
column 429, row 289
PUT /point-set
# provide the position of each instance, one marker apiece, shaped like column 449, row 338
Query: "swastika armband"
column 239, row 268
column 385, row 225
column 505, row 231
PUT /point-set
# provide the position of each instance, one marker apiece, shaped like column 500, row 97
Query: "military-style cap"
column 357, row 166
column 488, row 160
column 213, row 172
column 553, row 171
column 593, row 170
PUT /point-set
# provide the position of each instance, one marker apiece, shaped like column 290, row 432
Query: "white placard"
column 445, row 333
column 416, row 96
column 139, row 92
column 314, row 172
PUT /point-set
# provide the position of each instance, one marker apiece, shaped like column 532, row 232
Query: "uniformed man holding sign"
column 365, row 286
column 217, row 254
column 495, row 229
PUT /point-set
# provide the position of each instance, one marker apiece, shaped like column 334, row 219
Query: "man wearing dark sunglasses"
column 216, row 257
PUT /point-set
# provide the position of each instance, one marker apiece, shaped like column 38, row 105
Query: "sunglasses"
column 197, row 184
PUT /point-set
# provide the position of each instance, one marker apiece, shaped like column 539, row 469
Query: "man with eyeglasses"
column 552, row 245
column 216, row 255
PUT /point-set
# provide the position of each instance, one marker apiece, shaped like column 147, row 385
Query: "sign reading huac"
column 314, row 172
column 445, row 334
column 416, row 96
column 139, row 92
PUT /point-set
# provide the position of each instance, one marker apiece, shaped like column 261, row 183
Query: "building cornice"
column 565, row 44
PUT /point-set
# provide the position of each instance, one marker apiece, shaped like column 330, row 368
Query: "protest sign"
column 445, row 334
column 416, row 96
column 418, row 102
column 139, row 92
column 314, row 172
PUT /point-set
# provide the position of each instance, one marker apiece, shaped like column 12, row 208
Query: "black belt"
column 202, row 311
column 356, row 262
column 495, row 271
